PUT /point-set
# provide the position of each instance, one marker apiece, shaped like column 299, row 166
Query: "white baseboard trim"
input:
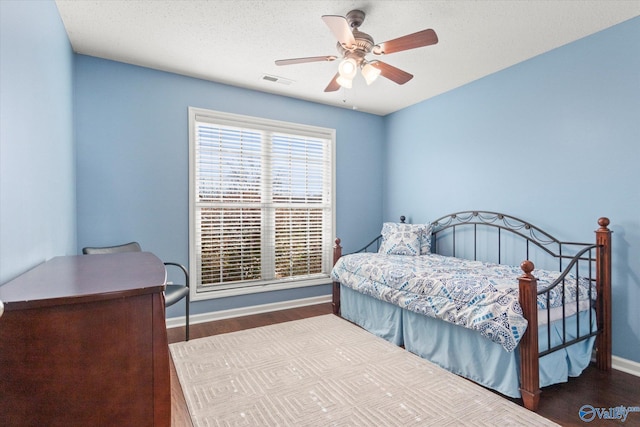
column 625, row 365
column 175, row 322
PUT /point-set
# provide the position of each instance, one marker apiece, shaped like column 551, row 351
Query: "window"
column 261, row 204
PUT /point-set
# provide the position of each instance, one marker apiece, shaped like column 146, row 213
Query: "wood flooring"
column 559, row 403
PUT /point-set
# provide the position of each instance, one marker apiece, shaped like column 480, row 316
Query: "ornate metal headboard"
column 444, row 229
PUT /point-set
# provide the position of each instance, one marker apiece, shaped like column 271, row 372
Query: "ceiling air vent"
column 276, row 79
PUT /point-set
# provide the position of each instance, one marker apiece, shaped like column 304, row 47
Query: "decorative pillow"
column 425, row 245
column 404, row 239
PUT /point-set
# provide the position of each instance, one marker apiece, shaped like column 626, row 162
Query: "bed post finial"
column 337, row 250
column 402, row 218
column 603, row 223
column 527, row 266
column 603, row 287
column 529, row 366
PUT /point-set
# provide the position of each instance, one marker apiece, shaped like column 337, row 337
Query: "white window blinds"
column 261, row 203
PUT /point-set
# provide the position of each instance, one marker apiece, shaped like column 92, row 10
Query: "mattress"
column 472, row 294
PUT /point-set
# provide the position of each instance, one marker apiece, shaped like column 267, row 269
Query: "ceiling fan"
column 353, row 47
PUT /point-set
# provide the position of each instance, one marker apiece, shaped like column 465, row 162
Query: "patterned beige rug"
column 325, row 371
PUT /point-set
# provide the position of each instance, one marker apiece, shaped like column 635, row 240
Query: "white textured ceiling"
column 236, row 42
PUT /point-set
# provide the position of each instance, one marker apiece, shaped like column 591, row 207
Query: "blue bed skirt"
column 465, row 352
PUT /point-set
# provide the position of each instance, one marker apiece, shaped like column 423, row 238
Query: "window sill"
column 207, row 294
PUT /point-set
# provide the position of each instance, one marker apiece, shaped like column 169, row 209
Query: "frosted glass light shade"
column 348, row 68
column 345, row 83
column 370, row 73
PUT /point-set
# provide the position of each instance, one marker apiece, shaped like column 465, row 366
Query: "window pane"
column 298, row 169
column 230, row 245
column 298, row 242
column 229, row 164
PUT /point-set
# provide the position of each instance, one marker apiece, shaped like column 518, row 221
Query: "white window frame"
column 237, row 120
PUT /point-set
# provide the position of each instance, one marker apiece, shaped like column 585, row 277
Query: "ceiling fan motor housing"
column 364, row 44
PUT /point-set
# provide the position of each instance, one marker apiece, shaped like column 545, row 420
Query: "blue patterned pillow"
column 425, row 245
column 405, row 239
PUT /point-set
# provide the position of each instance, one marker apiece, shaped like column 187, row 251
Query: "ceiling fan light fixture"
column 344, row 82
column 370, row 73
column 348, row 68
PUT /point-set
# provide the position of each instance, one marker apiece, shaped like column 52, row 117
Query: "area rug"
column 325, row 371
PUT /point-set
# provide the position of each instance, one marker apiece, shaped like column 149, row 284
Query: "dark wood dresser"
column 83, row 342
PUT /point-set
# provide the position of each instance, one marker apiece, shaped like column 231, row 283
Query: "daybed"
column 447, row 292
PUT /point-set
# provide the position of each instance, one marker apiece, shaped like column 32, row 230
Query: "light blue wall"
column 554, row 140
column 37, row 158
column 132, row 142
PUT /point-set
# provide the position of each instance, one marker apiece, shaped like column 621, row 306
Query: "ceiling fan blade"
column 340, row 29
column 392, row 73
column 410, row 41
column 308, row 59
column 333, row 84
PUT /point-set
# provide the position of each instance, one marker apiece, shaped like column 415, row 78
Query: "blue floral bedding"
column 473, row 294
